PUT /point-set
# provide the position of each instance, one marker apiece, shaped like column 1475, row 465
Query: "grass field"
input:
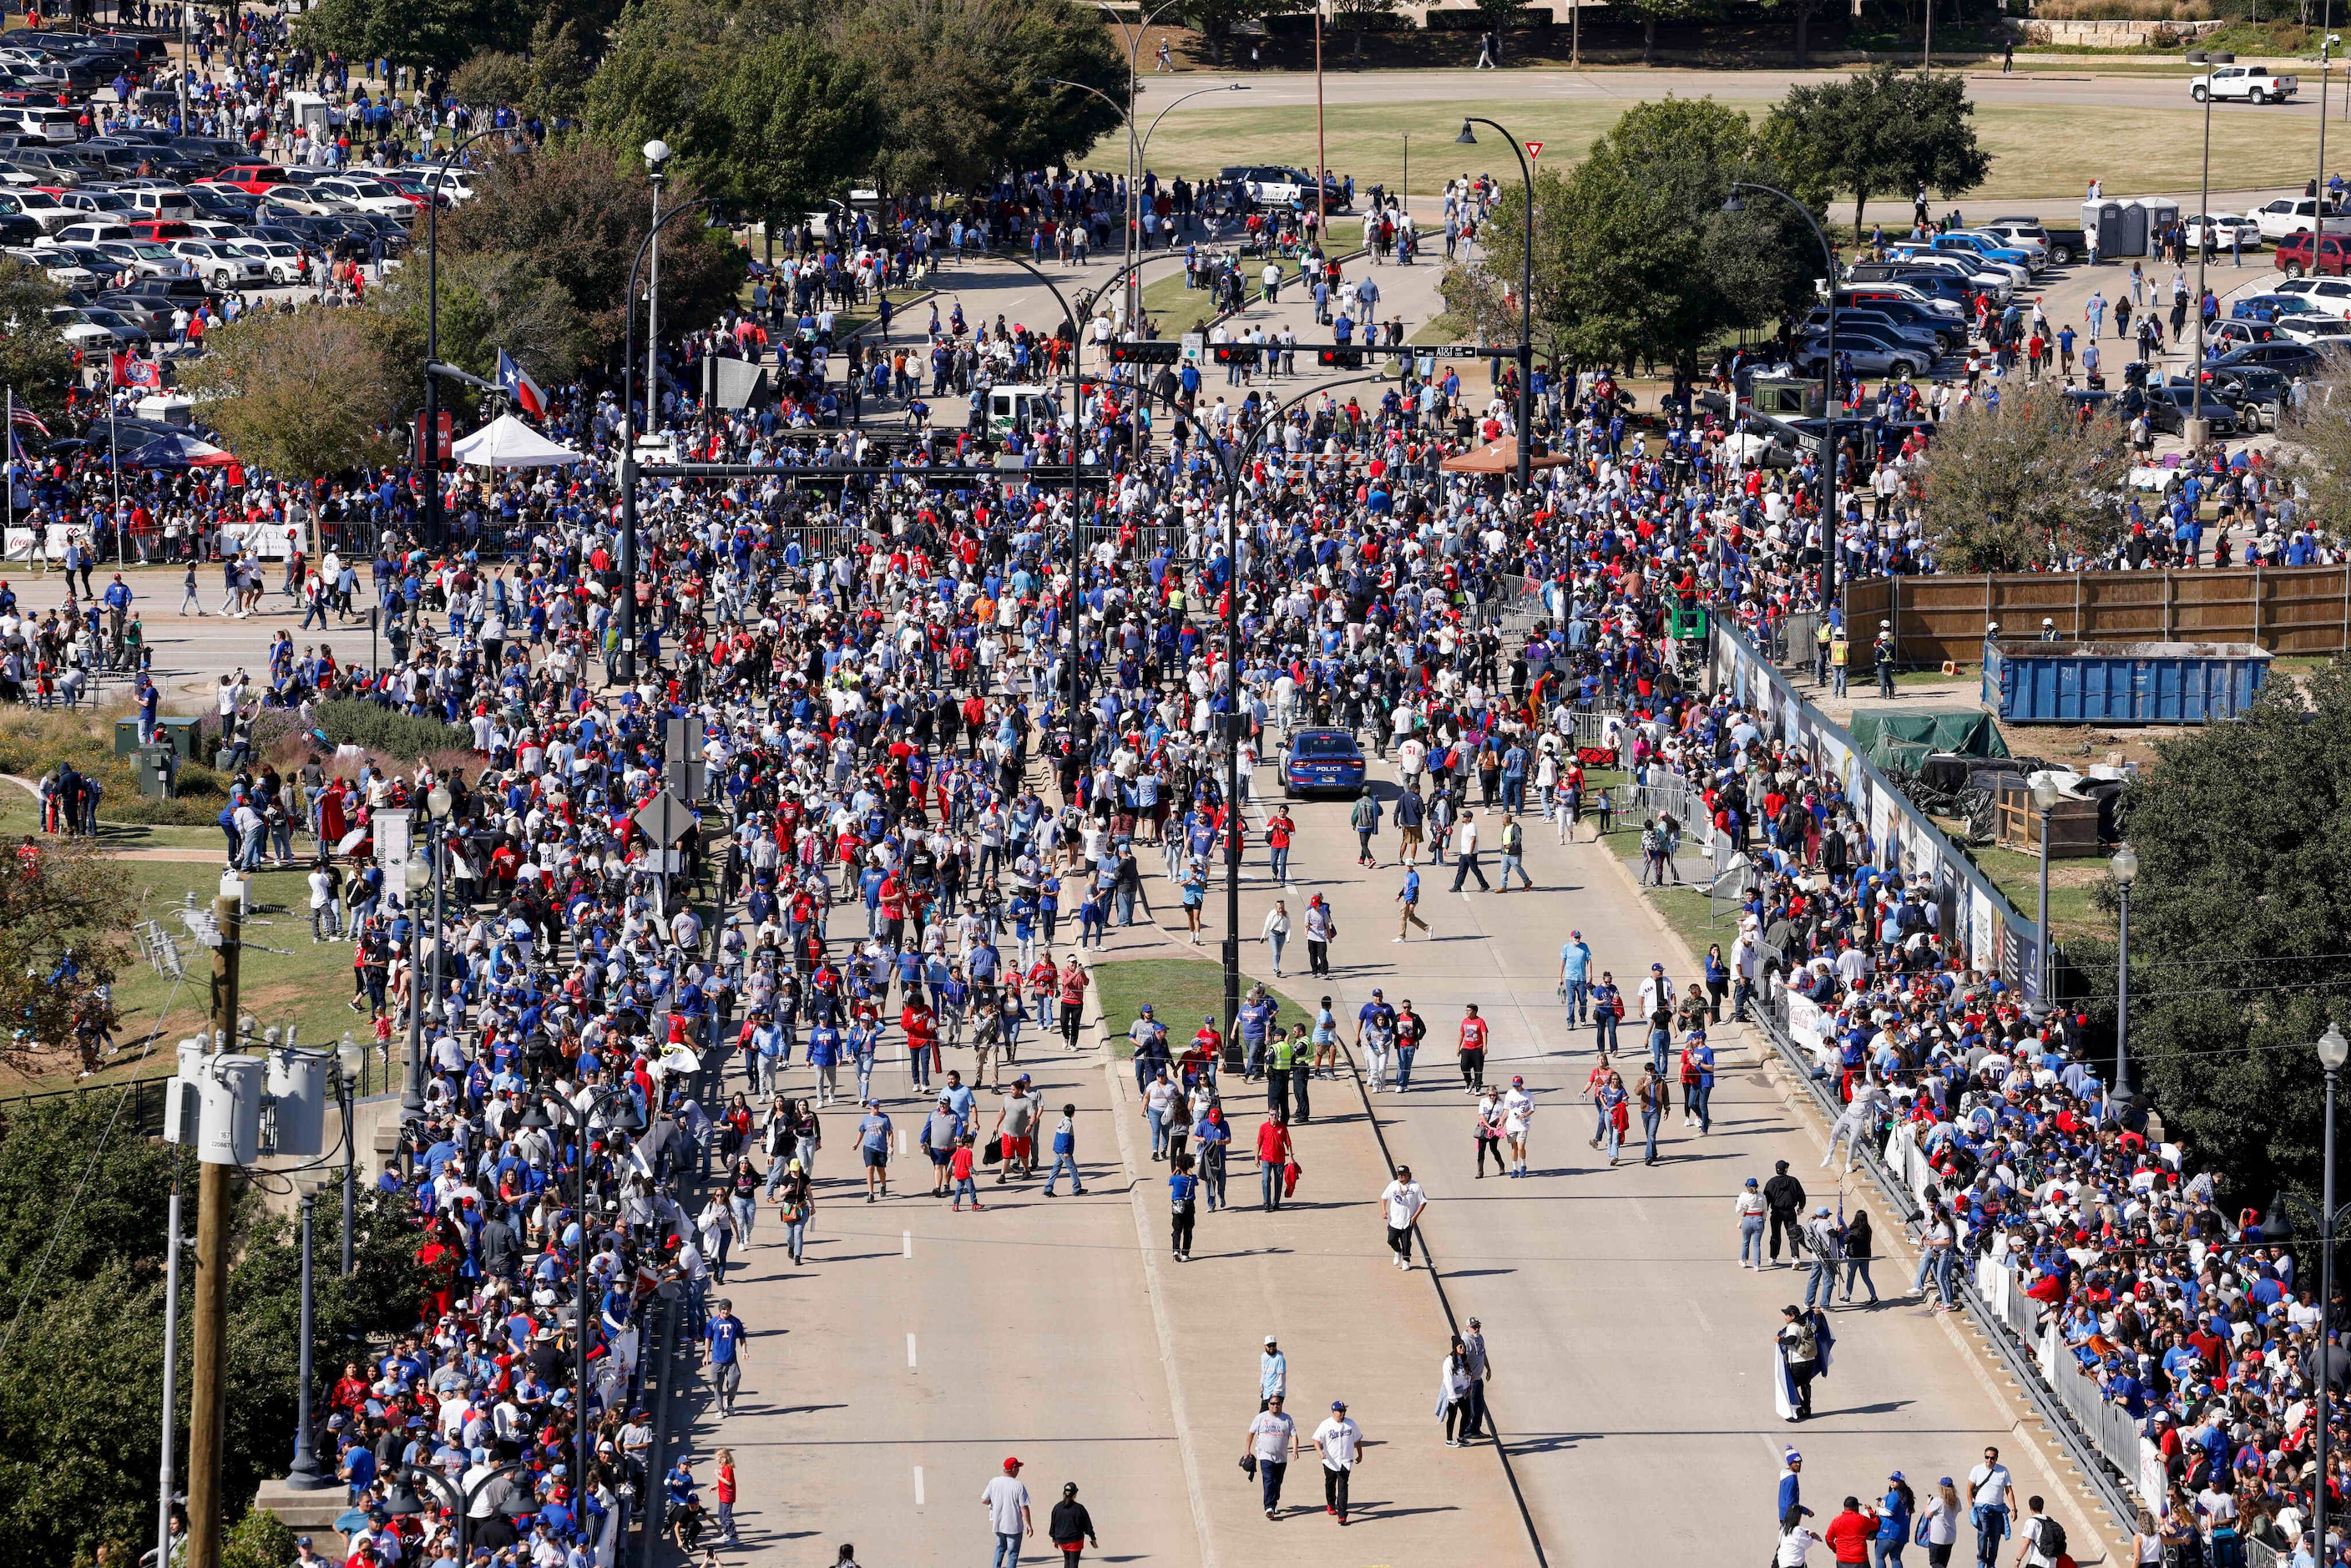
column 2047, row 155
column 1181, row 991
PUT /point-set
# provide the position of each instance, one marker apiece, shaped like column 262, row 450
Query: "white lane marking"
column 918, row 1486
column 910, row 1349
column 907, row 1236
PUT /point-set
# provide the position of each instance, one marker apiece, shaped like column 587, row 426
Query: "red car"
column 253, row 179
column 2296, row 255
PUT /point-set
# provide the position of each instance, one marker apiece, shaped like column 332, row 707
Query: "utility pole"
column 208, row 1401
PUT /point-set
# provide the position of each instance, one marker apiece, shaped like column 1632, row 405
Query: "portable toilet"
column 2132, row 222
column 2102, row 221
column 2161, row 212
column 309, row 113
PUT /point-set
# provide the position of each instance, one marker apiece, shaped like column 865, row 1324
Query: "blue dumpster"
column 2122, row 682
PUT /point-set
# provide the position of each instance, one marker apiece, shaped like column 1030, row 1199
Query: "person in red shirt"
column 921, row 1027
column 1273, row 1157
column 1073, row 999
column 1473, row 1050
column 1849, row 1533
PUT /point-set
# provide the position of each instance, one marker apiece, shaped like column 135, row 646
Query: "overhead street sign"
column 665, row 820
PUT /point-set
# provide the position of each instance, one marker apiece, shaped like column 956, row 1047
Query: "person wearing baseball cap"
column 1006, row 1501
column 1340, row 1442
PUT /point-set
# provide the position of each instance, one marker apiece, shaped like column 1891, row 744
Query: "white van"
column 1022, row 407
column 61, row 126
column 162, row 202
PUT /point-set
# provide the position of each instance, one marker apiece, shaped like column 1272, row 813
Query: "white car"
column 95, row 231
column 2295, row 215
column 2225, row 227
column 282, row 261
column 2318, row 331
column 2330, row 295
column 62, row 269
column 457, row 185
column 311, row 201
column 368, row 195
column 214, row 259
column 2253, row 84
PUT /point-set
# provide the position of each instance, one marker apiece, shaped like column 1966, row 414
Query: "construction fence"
column 1942, row 618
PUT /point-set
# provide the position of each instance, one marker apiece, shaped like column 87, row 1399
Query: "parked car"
column 1935, row 340
column 2303, row 253
column 2169, row 407
column 2279, row 354
column 283, row 262
column 1872, row 355
column 2256, row 392
column 2065, row 242
column 1979, row 254
column 225, row 267
column 2253, row 83
column 2329, row 295
column 254, row 179
column 1930, row 305
column 2271, row 309
column 2225, row 227
column 1321, row 760
column 2298, row 214
column 2316, row 329
column 369, row 195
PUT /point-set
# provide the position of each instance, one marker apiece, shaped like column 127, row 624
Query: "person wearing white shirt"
column 1341, row 1444
column 1989, row 1486
column 1405, row 1202
column 1518, row 1109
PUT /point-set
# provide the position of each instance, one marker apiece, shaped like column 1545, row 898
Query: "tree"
column 1357, row 18
column 489, row 300
column 2240, row 933
column 579, row 210
column 1653, row 12
column 491, row 77
column 62, row 914
column 1606, row 291
column 34, row 363
column 435, row 37
column 1217, row 20
column 558, row 71
column 1886, row 130
column 2319, row 454
column 1803, row 11
column 2025, row 486
column 759, row 111
column 961, row 84
column 303, row 393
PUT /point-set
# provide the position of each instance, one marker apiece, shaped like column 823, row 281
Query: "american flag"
column 26, row 416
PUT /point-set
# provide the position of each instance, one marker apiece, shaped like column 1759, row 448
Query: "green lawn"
column 1698, row 920
column 1181, row 991
column 2045, row 153
column 20, row 813
column 2073, row 887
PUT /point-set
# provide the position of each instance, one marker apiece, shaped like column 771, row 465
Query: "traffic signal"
column 1146, row 352
column 1341, row 359
column 1237, row 353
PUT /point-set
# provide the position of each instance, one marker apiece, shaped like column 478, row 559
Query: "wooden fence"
column 2286, row 610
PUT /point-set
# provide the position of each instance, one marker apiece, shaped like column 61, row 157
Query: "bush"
column 33, row 742
column 259, row 1540
column 348, row 722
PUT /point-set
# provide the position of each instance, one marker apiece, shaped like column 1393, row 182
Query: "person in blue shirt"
column 726, row 1334
column 1409, row 897
column 1574, row 969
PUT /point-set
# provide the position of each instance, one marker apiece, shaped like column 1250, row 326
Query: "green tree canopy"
column 1609, row 287
column 303, row 393
column 1882, row 132
column 2239, row 932
column 760, row 110
column 34, row 360
column 434, row 35
column 2025, row 487
column 962, row 85
column 577, row 211
column 489, row 300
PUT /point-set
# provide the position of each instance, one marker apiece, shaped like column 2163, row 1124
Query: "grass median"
column 1180, row 991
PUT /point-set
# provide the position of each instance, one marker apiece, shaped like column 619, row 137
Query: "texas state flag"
column 515, row 382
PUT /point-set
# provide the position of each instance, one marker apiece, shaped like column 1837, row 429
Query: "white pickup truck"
column 2254, row 84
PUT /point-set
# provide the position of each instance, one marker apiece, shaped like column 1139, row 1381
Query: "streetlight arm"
column 629, row 332
column 1526, row 304
column 1828, row 405
column 1200, row 92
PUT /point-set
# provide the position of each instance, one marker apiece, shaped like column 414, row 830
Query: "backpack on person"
column 2050, row 1539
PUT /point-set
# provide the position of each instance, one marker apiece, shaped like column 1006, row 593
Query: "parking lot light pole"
column 2326, row 48
column 428, row 457
column 2194, row 429
column 1526, row 296
column 1131, row 252
column 1829, row 392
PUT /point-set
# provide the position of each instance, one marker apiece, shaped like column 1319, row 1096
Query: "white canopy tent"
column 508, row 442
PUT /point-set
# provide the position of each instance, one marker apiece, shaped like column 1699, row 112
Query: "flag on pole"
column 515, row 382
column 19, row 414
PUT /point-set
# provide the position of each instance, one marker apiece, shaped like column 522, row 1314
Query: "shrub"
column 352, row 723
column 259, row 1540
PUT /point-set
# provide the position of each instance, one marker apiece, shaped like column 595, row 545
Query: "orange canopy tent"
column 1501, row 457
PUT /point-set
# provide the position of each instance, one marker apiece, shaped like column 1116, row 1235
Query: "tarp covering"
column 1905, row 740
column 1501, row 457
column 508, row 442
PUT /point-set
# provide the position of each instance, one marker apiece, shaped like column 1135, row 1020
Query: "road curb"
column 1195, row 1493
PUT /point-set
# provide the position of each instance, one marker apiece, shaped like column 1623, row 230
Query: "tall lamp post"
column 2332, row 1051
column 1133, row 151
column 2196, row 430
column 306, row 1474
column 628, row 474
column 2125, row 867
column 2045, row 796
column 535, row 1119
column 1829, row 382
column 1525, row 293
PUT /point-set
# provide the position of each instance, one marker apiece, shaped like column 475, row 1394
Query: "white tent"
column 508, row 442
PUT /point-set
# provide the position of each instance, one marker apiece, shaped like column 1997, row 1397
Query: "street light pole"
column 628, row 471
column 1129, row 250
column 2194, row 428
column 2045, row 796
column 1829, row 395
column 429, row 446
column 303, row 1474
column 2125, row 867
column 2332, row 1051
column 1526, row 297
column 2326, row 47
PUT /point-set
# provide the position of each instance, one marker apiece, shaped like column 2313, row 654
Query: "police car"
column 1314, row 759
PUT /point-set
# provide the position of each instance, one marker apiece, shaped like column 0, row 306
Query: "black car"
column 150, row 315
column 2279, row 354
column 170, row 291
column 118, row 327
column 226, row 206
column 2256, row 392
column 2169, row 409
column 15, row 228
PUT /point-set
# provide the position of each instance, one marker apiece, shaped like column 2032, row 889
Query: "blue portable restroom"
column 2122, row 682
